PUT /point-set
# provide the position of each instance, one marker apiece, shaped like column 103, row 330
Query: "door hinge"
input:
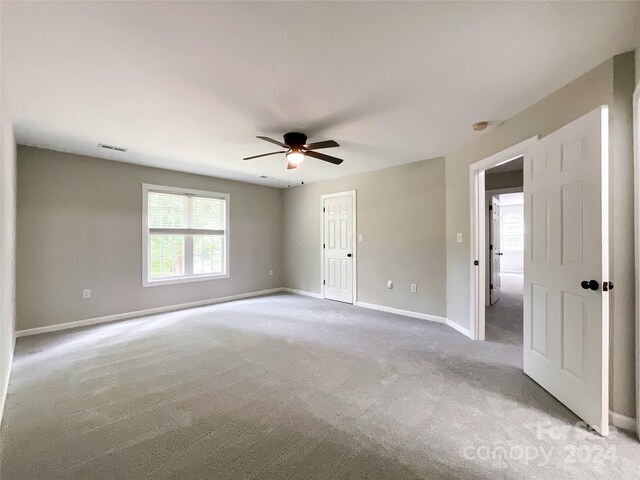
column 323, row 246
column 324, row 209
column 490, row 207
column 476, row 263
column 606, row 286
column 490, row 247
column 324, row 282
column 491, row 286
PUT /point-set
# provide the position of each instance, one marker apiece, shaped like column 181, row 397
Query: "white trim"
column 4, row 389
column 477, row 224
column 636, row 184
column 406, row 313
column 187, row 278
column 354, row 283
column 397, row 311
column 302, row 292
column 606, row 274
column 141, row 313
column 459, row 328
column 622, row 421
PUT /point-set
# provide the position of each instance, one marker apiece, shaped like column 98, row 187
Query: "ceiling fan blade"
column 326, row 158
column 267, row 139
column 318, row 145
column 263, row 155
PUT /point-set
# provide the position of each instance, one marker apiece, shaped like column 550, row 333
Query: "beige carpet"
column 288, row 387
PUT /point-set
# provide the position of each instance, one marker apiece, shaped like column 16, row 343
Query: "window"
column 513, row 232
column 185, row 235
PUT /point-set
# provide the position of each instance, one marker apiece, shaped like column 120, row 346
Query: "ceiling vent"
column 265, row 176
column 112, row 147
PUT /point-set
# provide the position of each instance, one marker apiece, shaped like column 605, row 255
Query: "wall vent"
column 112, row 147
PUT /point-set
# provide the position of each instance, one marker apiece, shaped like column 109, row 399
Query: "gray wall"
column 401, row 216
column 579, row 97
column 80, row 226
column 495, row 181
column 638, row 55
column 622, row 232
column 638, row 319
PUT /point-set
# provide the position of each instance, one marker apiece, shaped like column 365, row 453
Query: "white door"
column 338, row 247
column 495, row 251
column 566, row 322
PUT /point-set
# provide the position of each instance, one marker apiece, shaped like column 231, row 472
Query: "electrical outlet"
column 414, row 288
column 459, row 237
column 86, row 293
column 271, row 273
column 389, row 284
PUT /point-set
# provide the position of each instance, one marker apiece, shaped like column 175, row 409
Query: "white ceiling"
column 188, row 86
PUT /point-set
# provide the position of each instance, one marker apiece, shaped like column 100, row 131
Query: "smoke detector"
column 479, row 126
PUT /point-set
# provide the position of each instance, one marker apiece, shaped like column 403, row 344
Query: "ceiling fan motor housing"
column 295, row 139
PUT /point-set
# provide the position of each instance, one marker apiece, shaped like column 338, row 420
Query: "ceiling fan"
column 297, row 148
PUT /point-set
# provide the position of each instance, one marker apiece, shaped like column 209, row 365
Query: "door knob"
column 590, row 284
column 349, row 255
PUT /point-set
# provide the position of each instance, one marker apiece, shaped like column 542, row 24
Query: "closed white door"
column 566, row 322
column 338, row 247
column 494, row 251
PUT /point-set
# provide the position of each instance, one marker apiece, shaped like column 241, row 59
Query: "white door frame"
column 636, row 183
column 352, row 194
column 477, row 198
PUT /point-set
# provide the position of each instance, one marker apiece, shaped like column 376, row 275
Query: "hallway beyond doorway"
column 503, row 320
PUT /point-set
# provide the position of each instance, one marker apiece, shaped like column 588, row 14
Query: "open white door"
column 338, row 246
column 495, row 250
column 566, row 320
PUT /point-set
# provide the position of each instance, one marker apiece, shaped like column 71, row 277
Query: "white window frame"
column 503, row 224
column 146, row 282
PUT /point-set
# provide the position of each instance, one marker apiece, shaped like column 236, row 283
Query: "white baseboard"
column 421, row 316
column 406, row 313
column 622, row 421
column 141, row 313
column 302, row 292
column 459, row 328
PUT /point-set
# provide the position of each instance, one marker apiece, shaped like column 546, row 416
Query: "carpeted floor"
column 503, row 319
column 289, row 387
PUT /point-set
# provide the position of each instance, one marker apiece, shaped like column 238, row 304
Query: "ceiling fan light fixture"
column 295, row 156
column 297, row 148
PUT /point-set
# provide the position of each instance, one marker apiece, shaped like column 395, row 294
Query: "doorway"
column 565, row 341
column 338, row 248
column 505, row 260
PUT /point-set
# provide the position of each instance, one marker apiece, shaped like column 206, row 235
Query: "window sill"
column 174, row 280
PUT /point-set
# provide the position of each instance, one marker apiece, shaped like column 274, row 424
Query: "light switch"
column 360, row 237
column 459, row 237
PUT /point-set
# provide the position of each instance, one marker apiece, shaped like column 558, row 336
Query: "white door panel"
column 338, row 248
column 565, row 324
